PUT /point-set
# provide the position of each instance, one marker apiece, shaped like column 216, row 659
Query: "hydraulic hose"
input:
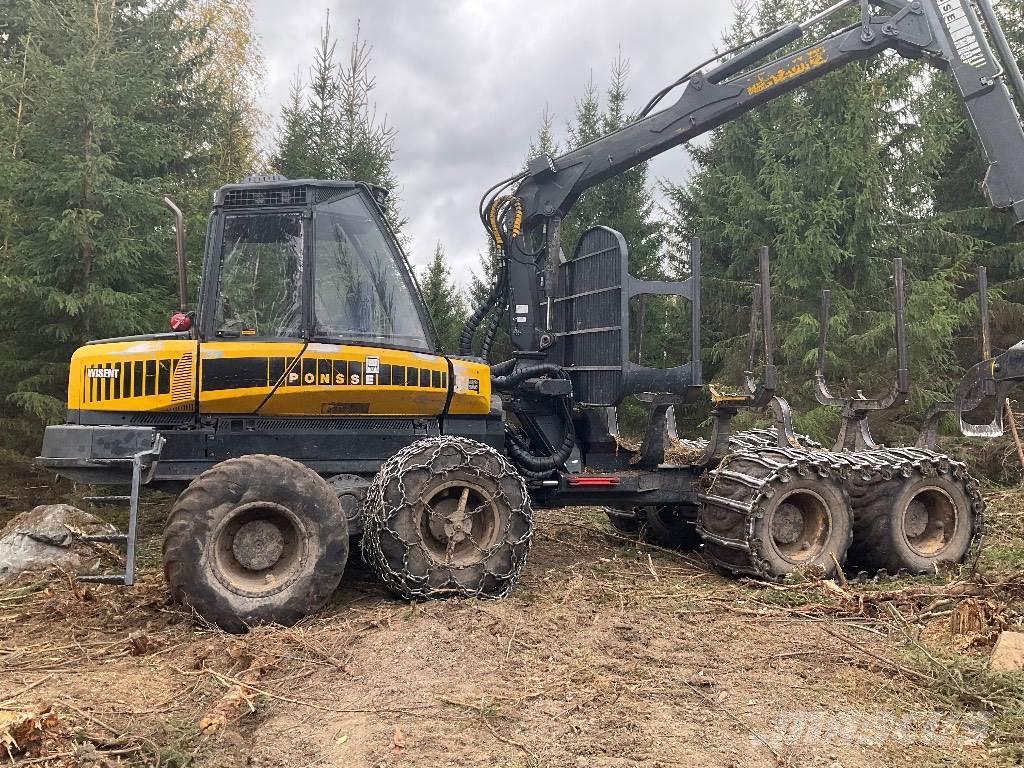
column 504, row 376
column 470, row 328
column 495, row 298
column 524, row 457
column 492, row 331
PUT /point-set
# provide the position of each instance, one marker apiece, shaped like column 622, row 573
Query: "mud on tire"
column 914, row 523
column 255, row 540
column 447, row 516
column 769, row 512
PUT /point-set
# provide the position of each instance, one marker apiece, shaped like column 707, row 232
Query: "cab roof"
column 274, row 190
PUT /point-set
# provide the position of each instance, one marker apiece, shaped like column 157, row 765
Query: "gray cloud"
column 465, row 83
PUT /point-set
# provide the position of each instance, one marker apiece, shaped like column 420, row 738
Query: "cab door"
column 253, row 326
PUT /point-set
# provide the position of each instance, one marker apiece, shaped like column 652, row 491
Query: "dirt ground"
column 609, row 653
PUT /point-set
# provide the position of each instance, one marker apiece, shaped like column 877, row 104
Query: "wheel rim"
column 259, row 549
column 800, row 526
column 459, row 523
column 929, row 521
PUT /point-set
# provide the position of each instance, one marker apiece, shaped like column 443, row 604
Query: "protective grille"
column 588, row 317
column 326, row 193
column 183, row 379
column 245, row 198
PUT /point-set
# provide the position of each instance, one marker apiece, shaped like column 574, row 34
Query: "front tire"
column 447, row 516
column 255, row 540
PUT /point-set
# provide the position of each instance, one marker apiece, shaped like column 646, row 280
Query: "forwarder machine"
column 303, row 400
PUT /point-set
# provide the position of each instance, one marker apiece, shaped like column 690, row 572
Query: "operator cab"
column 311, row 260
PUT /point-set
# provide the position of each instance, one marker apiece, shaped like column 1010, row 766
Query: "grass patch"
column 965, row 685
column 184, row 747
column 1003, row 557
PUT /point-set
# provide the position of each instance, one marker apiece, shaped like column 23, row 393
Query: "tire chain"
column 730, row 493
column 751, row 438
column 381, row 509
column 858, row 470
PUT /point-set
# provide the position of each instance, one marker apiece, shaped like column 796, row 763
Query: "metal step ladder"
column 143, row 466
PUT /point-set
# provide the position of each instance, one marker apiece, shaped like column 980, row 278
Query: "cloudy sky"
column 465, row 83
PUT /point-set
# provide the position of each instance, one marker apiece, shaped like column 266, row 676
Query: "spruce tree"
column 835, row 179
column 329, row 127
column 986, row 236
column 293, row 156
column 116, row 116
column 624, row 202
column 445, row 305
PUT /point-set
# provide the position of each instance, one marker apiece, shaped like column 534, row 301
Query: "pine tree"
column 116, row 116
column 445, row 305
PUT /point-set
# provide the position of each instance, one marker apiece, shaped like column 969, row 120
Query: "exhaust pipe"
column 179, row 227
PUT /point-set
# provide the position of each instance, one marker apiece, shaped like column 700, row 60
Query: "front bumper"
column 95, row 454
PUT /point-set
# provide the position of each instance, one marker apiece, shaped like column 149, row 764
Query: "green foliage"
column 625, row 202
column 445, row 305
column 104, row 109
column 837, row 179
column 988, row 235
column 329, row 127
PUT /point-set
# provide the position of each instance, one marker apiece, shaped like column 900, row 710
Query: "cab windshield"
column 260, row 292
column 362, row 293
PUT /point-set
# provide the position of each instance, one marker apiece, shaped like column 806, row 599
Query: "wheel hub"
column 916, row 519
column 930, row 522
column 259, row 548
column 800, row 527
column 258, row 544
column 788, row 524
column 459, row 523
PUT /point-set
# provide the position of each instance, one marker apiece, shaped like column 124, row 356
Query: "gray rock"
column 49, row 537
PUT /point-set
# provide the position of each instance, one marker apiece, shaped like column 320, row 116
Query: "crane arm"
column 946, row 33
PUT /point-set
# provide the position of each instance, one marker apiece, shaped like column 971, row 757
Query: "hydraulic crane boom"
column 948, row 34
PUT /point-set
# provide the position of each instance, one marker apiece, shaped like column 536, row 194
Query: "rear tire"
column 913, row 524
column 671, row 526
column 255, row 540
column 447, row 516
column 770, row 512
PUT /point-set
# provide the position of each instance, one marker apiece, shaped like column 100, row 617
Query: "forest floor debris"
column 609, row 653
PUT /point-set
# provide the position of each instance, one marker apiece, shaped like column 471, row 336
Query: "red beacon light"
column 181, row 322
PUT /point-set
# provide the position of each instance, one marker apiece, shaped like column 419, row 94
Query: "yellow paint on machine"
column 799, row 65
column 236, row 377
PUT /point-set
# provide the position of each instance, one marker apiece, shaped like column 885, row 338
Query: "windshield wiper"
column 366, row 335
